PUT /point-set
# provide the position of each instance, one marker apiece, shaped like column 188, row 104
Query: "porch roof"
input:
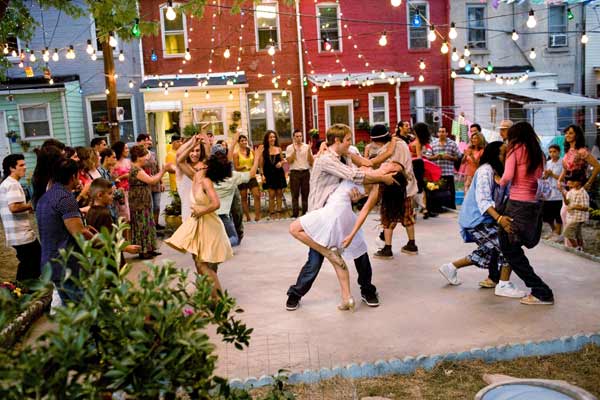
column 213, row 80
column 533, row 98
column 23, row 85
column 356, row 78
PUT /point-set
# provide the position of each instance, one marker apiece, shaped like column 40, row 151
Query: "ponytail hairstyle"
column 523, row 134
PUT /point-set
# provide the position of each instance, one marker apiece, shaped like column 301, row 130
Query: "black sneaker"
column 372, row 300
column 292, row 303
column 384, row 253
column 382, row 237
column 411, row 249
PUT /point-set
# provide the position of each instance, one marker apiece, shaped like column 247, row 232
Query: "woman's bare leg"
column 297, row 232
column 203, row 269
column 344, row 278
column 271, row 202
column 245, row 206
column 256, row 195
column 279, row 199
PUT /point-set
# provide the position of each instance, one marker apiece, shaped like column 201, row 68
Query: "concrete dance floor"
column 419, row 312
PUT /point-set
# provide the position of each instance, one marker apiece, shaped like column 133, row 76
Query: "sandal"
column 487, row 284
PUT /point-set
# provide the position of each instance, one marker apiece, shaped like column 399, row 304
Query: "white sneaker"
column 450, row 272
column 56, row 302
column 508, row 289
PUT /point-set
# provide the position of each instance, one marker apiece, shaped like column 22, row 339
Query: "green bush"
column 146, row 338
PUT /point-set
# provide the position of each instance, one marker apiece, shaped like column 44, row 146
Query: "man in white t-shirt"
column 15, row 210
column 300, row 159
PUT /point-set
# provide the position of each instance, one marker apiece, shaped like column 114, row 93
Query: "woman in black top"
column 273, row 175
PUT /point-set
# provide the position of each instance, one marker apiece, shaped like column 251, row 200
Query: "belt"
column 299, row 170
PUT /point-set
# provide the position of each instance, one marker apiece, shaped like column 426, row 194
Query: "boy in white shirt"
column 552, row 206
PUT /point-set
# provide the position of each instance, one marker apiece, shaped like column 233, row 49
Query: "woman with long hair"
column 89, row 162
column 271, row 163
column 521, row 221
column 477, row 220
column 121, row 176
column 243, row 159
column 143, row 230
column 204, row 235
column 190, row 158
column 471, row 157
column 47, row 157
column 417, row 147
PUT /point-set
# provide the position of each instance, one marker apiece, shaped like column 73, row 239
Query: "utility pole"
column 111, row 96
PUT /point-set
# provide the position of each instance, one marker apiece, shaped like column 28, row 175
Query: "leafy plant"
column 595, row 214
column 146, row 338
column 175, row 207
column 236, row 116
column 191, row 130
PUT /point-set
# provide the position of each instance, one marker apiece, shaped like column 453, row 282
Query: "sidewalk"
column 419, row 313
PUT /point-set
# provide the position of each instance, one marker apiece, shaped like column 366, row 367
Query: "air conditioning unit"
column 558, row 40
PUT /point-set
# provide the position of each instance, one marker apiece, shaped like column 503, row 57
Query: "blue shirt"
column 479, row 198
column 56, row 205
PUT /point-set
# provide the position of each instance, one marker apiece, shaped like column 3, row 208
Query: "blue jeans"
column 311, row 269
column 230, row 229
column 68, row 291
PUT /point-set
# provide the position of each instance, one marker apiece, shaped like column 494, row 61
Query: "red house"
column 363, row 63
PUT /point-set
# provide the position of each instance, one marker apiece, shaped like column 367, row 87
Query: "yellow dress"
column 204, row 237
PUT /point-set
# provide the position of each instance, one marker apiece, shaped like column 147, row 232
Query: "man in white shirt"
column 300, row 159
column 14, row 211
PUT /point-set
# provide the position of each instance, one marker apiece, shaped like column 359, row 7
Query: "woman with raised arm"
column 190, row 158
column 243, row 159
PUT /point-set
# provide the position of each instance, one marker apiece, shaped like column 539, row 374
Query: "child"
column 99, row 215
column 552, row 206
column 578, row 204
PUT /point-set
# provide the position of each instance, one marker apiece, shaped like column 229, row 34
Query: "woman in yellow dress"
column 204, row 235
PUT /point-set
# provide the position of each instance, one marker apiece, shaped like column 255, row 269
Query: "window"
column 97, row 39
column 379, row 109
column 270, row 110
column 35, row 121
column 476, row 30
column 557, row 26
column 417, row 34
column 315, row 112
column 425, row 106
column 99, row 119
column 565, row 116
column 215, row 116
column 13, row 46
column 329, row 27
column 267, row 25
column 174, row 34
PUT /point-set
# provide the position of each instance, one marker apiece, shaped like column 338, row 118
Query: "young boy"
column 578, row 205
column 99, row 215
column 552, row 206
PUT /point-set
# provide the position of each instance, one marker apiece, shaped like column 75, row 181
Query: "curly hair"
column 218, row 167
column 138, row 151
column 579, row 137
column 266, row 143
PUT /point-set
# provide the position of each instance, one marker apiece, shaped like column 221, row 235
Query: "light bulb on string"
column 13, row 53
column 570, row 15
column 289, row 82
column 207, row 95
column 112, row 41
column 584, row 38
column 121, row 56
column 186, row 94
column 488, row 77
column 382, row 75
column 5, row 49
column 153, row 56
column 455, row 56
column 499, row 80
column 116, row 76
column 396, row 3
column 94, row 56
column 21, row 65
column 130, row 84
column 106, row 91
column 32, row 56
column 46, row 55
column 227, row 53
column 476, row 69
column 445, row 48
column 431, row 36
column 489, row 67
column 135, row 29
column 532, row 54
column 166, row 92
column 482, row 73
column 453, row 74
column 170, row 14
column 70, row 53
column 383, row 39
column 230, row 95
column 452, row 34
column 55, row 55
column 51, row 81
column 284, row 93
column 461, row 62
column 256, row 95
column 271, row 50
column 531, row 22
column 421, row 78
column 89, row 48
column 467, row 52
column 187, row 56
column 422, row 65
column 416, row 20
column 468, row 67
column 314, row 89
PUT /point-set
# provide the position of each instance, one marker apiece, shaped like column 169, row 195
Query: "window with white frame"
column 174, row 35
column 379, row 110
column 99, row 119
column 329, row 27
column 35, row 121
column 214, row 115
column 12, row 47
column 315, row 112
column 417, row 32
column 266, row 18
column 425, row 106
column 476, row 29
column 270, row 111
column 557, row 26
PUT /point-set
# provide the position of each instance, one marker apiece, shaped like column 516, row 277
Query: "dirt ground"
column 459, row 380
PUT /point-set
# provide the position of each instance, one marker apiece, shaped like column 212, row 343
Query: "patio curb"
column 564, row 344
column 571, row 250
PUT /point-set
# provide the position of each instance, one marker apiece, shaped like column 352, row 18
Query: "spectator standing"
column 505, row 125
column 445, row 154
column 300, row 159
column 553, row 205
column 472, row 155
column 151, row 168
column 48, row 156
column 404, row 131
column 578, row 205
column 418, row 147
column 15, row 210
column 98, row 144
column 271, row 163
column 171, row 158
column 121, row 176
column 243, row 159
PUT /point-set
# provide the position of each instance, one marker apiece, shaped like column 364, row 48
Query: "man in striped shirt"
column 15, row 211
column 329, row 170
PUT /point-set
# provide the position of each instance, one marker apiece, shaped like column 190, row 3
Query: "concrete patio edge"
column 564, row 344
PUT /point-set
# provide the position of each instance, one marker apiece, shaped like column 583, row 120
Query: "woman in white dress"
column 190, row 159
column 336, row 228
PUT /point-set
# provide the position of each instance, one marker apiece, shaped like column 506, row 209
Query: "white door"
column 339, row 112
column 4, row 141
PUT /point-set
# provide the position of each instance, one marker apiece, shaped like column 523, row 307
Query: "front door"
column 4, row 141
column 339, row 112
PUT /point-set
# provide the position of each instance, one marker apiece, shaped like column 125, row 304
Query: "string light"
column 422, row 65
column 421, row 78
column 187, row 56
column 207, row 95
column 135, row 29
column 256, row 95
column 46, row 55
column 55, row 55
column 271, row 50
column 431, row 36
column 32, row 57
column 453, row 74
column 476, row 70
column 51, row 81
column 570, row 15
column 488, row 77
column 455, row 56
column 111, row 40
column 468, row 67
column 116, row 76
column 70, row 53
column 383, row 39
column 94, row 56
column 531, row 22
column 461, row 62
column 170, row 14
column 444, row 48
column 166, row 92
column 515, row 35
column 452, row 34
column 396, row 3
column 584, row 38
column 230, row 95
column 490, row 67
column 21, row 65
column 89, row 48
column 130, row 84
column 532, row 54
column 314, row 89
column 416, row 21
column 121, row 56
column 227, row 53
column 153, row 56
column 5, row 49
column 467, row 52
column 106, row 91
column 186, row 94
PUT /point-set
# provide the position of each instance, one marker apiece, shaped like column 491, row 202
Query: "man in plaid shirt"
column 578, row 206
column 445, row 154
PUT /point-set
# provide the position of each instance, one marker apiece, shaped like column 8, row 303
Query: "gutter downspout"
column 398, row 116
column 301, row 67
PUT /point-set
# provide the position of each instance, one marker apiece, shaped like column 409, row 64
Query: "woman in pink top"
column 524, row 166
column 471, row 159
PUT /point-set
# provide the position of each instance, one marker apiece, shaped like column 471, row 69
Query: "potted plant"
column 236, row 116
column 12, row 135
column 363, row 124
column 173, row 212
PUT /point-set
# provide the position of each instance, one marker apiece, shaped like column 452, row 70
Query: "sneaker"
column 411, row 249
column 508, row 289
column 384, row 253
column 487, row 283
column 450, row 272
column 292, row 303
column 531, row 300
column 381, row 236
column 371, row 299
